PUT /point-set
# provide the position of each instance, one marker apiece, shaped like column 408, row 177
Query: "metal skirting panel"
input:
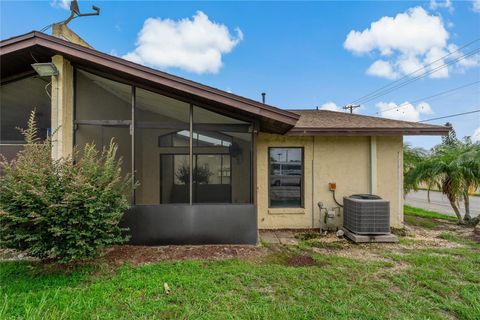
column 192, row 224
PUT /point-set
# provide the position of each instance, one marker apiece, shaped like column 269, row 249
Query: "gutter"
column 435, row 131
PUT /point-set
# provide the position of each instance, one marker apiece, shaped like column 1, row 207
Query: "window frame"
column 302, row 179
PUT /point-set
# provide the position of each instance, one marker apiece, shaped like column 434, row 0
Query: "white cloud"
column 414, row 31
column 476, row 5
column 195, row 45
column 383, row 69
column 64, row 4
column 404, row 44
column 405, row 111
column 476, row 135
column 332, row 106
column 435, row 5
column 465, row 63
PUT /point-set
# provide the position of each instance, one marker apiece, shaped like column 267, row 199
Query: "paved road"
column 439, row 203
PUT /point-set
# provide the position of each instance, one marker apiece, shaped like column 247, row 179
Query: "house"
column 213, row 167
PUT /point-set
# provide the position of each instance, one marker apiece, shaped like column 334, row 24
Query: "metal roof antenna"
column 75, row 12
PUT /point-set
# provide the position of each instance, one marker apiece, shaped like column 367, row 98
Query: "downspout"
column 190, row 155
column 132, row 133
column 313, row 183
column 373, row 165
column 400, row 185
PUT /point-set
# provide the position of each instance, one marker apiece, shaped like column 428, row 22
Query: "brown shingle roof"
column 324, row 122
column 16, row 56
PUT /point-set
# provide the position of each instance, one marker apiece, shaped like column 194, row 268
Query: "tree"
column 201, row 174
column 411, row 157
column 469, row 162
column 451, row 138
column 61, row 209
column 454, row 168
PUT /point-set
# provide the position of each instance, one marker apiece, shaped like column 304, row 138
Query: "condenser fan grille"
column 366, row 214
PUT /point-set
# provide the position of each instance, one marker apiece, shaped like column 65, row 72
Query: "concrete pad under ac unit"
column 362, row 238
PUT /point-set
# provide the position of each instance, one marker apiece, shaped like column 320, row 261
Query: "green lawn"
column 411, row 211
column 408, row 283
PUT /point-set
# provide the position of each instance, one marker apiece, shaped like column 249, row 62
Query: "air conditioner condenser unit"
column 366, row 214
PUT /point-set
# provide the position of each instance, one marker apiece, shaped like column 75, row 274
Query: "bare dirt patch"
column 363, row 254
column 137, row 255
column 300, row 261
column 417, row 237
column 430, row 238
column 476, row 234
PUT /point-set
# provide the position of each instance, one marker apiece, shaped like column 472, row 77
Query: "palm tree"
column 469, row 161
column 454, row 168
column 411, row 157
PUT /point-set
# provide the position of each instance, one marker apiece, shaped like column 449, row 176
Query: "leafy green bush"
column 62, row 209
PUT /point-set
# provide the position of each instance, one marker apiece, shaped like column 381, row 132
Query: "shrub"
column 61, row 209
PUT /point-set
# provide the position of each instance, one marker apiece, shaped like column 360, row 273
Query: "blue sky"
column 303, row 54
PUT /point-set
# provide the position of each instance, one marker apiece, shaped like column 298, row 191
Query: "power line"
column 451, row 116
column 475, row 51
column 411, row 73
column 429, row 97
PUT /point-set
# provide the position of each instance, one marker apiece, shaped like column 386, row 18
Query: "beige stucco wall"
column 390, row 175
column 62, row 96
column 343, row 160
column 62, row 108
column 62, row 31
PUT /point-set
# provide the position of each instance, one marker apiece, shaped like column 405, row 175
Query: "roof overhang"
column 435, row 131
column 332, row 123
column 18, row 53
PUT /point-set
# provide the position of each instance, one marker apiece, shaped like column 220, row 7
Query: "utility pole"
column 351, row 107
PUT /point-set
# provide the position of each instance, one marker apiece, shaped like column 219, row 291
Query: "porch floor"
column 278, row 236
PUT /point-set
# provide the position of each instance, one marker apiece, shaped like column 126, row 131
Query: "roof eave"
column 287, row 119
column 433, row 131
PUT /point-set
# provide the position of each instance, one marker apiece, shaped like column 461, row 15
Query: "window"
column 174, row 178
column 211, row 178
column 285, row 177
